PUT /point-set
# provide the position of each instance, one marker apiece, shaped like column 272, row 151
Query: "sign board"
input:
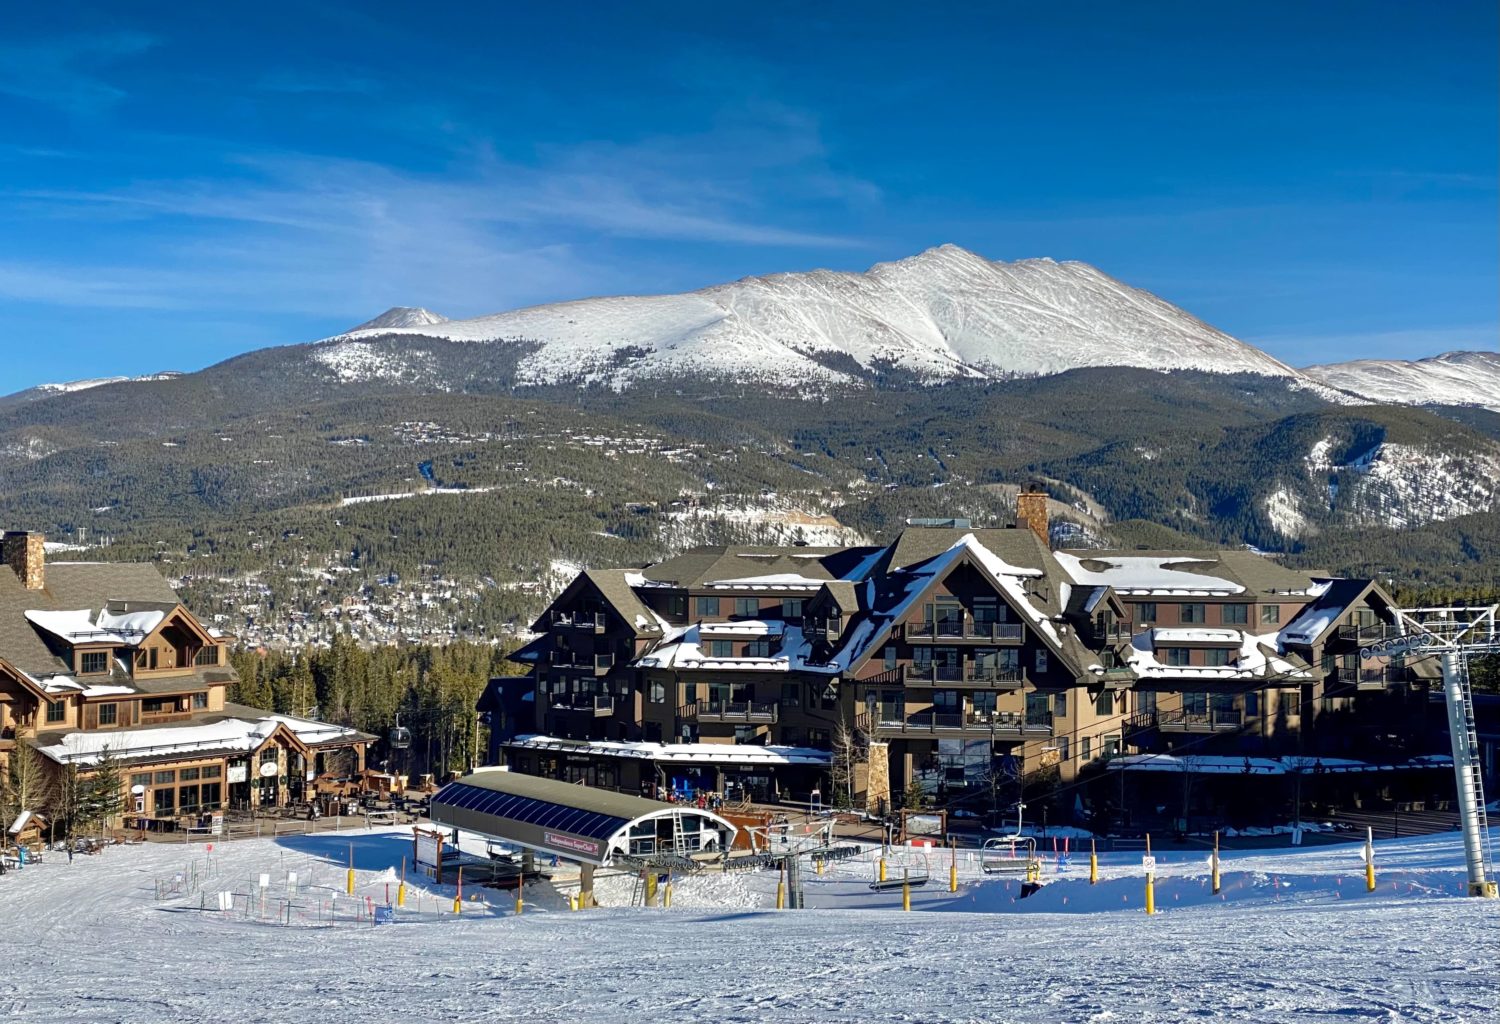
column 216, row 824
column 427, row 848
column 571, row 843
column 924, row 824
column 268, row 769
column 238, row 773
column 1149, row 863
column 311, row 775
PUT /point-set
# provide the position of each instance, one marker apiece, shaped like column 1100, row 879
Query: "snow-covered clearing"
column 1295, row 937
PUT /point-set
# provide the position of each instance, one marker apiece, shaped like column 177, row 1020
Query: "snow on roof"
column 1146, row 574
column 1258, row 657
column 1199, row 636
column 20, row 823
column 73, row 627
column 679, row 753
column 228, row 734
column 139, row 623
column 684, row 650
column 772, row 581
column 748, row 627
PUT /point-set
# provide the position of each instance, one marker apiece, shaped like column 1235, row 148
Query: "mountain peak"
column 402, row 316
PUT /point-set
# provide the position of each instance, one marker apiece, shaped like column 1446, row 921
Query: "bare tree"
column 847, row 744
column 25, row 786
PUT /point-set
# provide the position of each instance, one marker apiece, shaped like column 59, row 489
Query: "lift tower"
column 1454, row 635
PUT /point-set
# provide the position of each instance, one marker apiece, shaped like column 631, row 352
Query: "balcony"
column 1374, row 679
column 579, row 620
column 730, row 711
column 964, row 630
column 597, row 665
column 967, row 675
column 1219, row 720
column 597, row 706
column 1007, row 725
column 1366, row 634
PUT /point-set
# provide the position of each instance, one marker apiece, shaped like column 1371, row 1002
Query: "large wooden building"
column 98, row 657
column 960, row 661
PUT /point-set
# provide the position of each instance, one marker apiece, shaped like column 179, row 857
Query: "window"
column 207, row 655
column 676, row 606
column 1216, row 656
column 1105, row 705
column 200, row 701
column 163, row 801
column 984, row 704
column 1193, row 613
column 57, row 711
column 188, row 775
column 835, row 626
column 746, row 607
column 211, row 771
column 758, row 649
column 708, row 607
column 209, row 795
column 1176, row 656
column 1041, row 661
column 1252, row 704
column 1037, row 712
column 946, row 701
column 1195, row 703
column 1109, row 746
column 1145, row 701
column 1062, row 748
column 93, row 662
column 721, row 648
column 1060, row 705
column 187, row 798
column 1235, row 614
column 658, row 692
column 164, row 778
column 142, row 779
column 890, row 658
column 789, row 694
column 1145, row 612
column 156, row 707
column 1086, row 748
column 268, row 755
column 109, row 714
column 1270, row 614
column 791, row 608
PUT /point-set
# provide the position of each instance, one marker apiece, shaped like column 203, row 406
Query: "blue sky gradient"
column 182, row 183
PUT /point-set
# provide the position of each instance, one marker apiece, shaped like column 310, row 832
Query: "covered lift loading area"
column 592, row 827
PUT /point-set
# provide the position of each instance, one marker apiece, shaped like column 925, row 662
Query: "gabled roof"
column 725, row 565
column 1336, row 599
column 614, row 587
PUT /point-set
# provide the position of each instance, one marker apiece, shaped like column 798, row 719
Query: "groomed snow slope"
column 1296, row 939
column 1453, row 378
column 942, row 314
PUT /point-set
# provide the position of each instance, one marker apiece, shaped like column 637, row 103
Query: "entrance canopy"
column 583, row 824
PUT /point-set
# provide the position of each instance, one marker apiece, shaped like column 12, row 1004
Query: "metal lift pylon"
column 1455, row 634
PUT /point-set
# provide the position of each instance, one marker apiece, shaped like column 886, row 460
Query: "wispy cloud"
column 66, row 72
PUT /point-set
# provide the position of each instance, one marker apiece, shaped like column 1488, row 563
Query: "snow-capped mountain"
column 943, row 314
column 402, row 316
column 94, row 382
column 1453, row 378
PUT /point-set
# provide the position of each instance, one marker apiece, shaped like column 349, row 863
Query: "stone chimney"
column 1031, row 511
column 26, row 556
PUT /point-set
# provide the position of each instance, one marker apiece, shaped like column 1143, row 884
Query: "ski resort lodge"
column 98, row 657
column 973, row 665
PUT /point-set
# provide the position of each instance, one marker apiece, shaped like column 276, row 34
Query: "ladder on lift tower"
column 1468, row 738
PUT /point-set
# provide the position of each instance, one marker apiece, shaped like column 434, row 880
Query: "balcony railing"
column 967, row 673
column 601, row 706
column 1006, row 724
column 579, row 620
column 1200, row 721
column 1365, row 634
column 746, row 711
column 966, row 628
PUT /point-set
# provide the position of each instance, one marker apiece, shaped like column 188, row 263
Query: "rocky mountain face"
column 944, row 314
column 1453, row 378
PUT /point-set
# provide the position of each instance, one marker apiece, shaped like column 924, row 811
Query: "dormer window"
column 93, row 662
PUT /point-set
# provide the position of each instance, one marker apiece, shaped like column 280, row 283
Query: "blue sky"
column 180, row 183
